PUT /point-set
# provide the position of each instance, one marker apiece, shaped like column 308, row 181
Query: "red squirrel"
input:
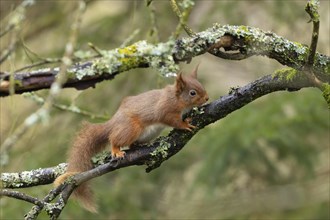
column 139, row 119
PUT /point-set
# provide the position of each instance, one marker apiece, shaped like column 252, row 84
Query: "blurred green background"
column 268, row 160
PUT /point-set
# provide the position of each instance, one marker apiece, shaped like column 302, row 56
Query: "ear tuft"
column 179, row 83
column 194, row 73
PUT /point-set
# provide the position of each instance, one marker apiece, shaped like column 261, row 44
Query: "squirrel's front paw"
column 189, row 126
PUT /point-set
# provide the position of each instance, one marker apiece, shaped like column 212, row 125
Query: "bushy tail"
column 90, row 140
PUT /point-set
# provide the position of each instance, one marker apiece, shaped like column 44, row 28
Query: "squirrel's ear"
column 179, row 83
column 194, row 73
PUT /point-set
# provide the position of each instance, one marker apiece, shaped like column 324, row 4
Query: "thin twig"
column 16, row 16
column 43, row 62
column 6, row 53
column 21, row 196
column 7, row 29
column 154, row 27
column 130, row 38
column 36, row 209
column 96, row 49
column 183, row 17
column 71, row 108
column 62, row 76
column 311, row 8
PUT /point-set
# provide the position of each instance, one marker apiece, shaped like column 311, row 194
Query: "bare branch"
column 7, row 30
column 153, row 32
column 21, row 196
column 183, row 17
column 70, row 108
column 10, row 49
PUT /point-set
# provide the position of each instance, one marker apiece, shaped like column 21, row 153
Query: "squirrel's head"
column 190, row 90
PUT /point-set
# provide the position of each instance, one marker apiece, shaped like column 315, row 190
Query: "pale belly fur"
column 150, row 132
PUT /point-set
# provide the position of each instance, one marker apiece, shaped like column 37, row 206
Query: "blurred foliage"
column 237, row 168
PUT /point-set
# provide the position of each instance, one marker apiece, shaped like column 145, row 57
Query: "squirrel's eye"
column 192, row 93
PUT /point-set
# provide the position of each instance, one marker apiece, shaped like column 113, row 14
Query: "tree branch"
column 21, row 196
column 312, row 9
column 163, row 148
column 246, row 41
column 238, row 42
column 183, row 17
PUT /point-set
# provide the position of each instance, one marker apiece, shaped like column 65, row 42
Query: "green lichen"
column 186, row 4
column 50, row 207
column 233, row 90
column 199, row 111
column 242, row 31
column 17, row 180
column 324, row 63
column 301, row 50
column 30, row 177
column 12, row 180
column 100, row 158
column 71, row 74
column 326, row 93
column 109, row 63
column 161, row 151
column 287, row 74
column 312, row 8
column 60, row 169
column 81, row 73
column 158, row 56
column 18, row 83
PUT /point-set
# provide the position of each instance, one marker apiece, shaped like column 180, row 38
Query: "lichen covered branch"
column 163, row 148
column 250, row 41
column 245, row 41
column 31, row 178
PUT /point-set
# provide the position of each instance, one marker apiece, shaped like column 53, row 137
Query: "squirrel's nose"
column 206, row 98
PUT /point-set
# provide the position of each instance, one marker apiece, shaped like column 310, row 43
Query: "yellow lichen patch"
column 129, row 50
column 129, row 60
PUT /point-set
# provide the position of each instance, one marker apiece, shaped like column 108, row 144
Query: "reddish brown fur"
column 134, row 115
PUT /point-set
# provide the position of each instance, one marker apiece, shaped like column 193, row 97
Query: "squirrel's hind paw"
column 118, row 155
